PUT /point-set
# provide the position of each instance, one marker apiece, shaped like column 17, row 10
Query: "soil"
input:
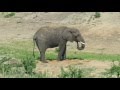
column 54, row 67
column 102, row 35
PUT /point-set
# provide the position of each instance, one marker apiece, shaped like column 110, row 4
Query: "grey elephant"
column 50, row 37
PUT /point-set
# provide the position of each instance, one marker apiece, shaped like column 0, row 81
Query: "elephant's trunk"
column 82, row 46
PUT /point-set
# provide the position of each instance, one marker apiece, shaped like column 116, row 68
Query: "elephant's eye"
column 76, row 36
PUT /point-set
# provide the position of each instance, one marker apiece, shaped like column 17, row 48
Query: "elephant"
column 50, row 37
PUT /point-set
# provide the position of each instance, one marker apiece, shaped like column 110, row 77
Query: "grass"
column 29, row 64
column 22, row 51
column 24, row 70
column 93, row 56
column 72, row 72
column 114, row 71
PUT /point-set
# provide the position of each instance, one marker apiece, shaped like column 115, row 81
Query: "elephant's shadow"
column 66, row 58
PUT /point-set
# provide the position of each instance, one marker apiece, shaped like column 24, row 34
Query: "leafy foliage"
column 71, row 73
column 114, row 71
column 97, row 15
column 57, row 50
column 8, row 14
column 29, row 64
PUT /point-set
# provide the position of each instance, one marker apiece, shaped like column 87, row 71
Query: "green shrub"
column 72, row 72
column 8, row 15
column 4, row 68
column 114, row 70
column 97, row 15
column 24, row 70
column 57, row 50
column 29, row 64
column 40, row 75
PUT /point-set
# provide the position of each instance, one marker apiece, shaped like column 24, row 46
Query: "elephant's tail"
column 33, row 47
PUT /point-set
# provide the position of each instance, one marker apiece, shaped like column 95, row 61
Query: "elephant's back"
column 45, row 33
column 51, row 30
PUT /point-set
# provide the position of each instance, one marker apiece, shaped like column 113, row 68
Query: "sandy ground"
column 102, row 35
column 54, row 67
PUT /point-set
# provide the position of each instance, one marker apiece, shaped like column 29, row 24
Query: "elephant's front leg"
column 62, row 50
column 64, row 54
column 42, row 58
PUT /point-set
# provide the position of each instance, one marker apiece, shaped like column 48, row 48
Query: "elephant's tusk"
column 82, row 43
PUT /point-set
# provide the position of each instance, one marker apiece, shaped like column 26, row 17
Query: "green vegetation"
column 6, row 68
column 113, row 71
column 72, row 72
column 56, row 50
column 97, row 15
column 21, row 70
column 29, row 64
column 93, row 56
column 22, row 52
column 8, row 14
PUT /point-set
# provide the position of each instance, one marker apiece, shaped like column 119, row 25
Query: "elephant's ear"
column 67, row 35
column 74, row 32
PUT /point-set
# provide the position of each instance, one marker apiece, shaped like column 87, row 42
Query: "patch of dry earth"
column 54, row 67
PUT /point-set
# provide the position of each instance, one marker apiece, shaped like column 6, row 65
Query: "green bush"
column 40, row 75
column 29, row 64
column 114, row 70
column 21, row 70
column 57, row 50
column 4, row 68
column 72, row 72
column 8, row 15
column 97, row 15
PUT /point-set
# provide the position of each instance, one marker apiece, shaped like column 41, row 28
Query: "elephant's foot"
column 61, row 59
column 44, row 61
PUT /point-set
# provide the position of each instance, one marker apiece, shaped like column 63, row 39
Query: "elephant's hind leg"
column 42, row 50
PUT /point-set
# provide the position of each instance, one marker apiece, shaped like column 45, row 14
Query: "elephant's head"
column 72, row 34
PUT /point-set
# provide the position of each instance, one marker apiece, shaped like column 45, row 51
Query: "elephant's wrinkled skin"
column 50, row 37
